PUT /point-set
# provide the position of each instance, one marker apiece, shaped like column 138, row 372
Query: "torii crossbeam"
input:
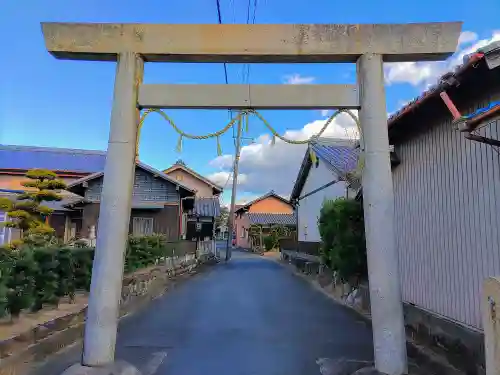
column 130, row 45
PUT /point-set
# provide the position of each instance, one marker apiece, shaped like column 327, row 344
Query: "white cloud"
column 427, row 73
column 266, row 167
column 297, row 79
column 467, row 37
column 225, row 179
column 325, row 112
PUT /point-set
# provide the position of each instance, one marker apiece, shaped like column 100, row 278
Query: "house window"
column 178, row 177
column 4, row 232
column 242, row 234
column 142, row 226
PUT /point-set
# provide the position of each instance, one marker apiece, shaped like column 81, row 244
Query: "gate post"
column 490, row 306
column 114, row 216
column 378, row 200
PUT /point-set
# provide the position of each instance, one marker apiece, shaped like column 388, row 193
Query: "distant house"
column 189, row 177
column 198, row 222
column 326, row 180
column 157, row 202
column 57, row 219
column 69, row 164
column 267, row 210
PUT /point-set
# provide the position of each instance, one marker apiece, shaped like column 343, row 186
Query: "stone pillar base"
column 116, row 368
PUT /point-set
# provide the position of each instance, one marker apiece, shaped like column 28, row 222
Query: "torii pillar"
column 366, row 45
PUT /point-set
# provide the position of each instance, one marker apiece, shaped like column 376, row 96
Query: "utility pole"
column 235, row 182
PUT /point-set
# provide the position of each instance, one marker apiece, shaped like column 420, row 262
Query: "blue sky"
column 48, row 102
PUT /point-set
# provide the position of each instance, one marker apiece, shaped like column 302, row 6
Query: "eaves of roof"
column 140, row 165
column 267, row 195
column 272, row 219
column 339, row 155
column 69, row 199
column 304, row 169
column 194, row 174
column 207, row 207
column 60, row 173
column 447, row 80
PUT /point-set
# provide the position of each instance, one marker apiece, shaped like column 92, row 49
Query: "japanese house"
column 199, row 222
column 268, row 210
column 157, row 204
column 69, row 164
column 323, row 179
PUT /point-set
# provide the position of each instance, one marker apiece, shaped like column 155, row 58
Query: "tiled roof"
column 449, row 79
column 140, row 165
column 68, row 199
column 267, row 195
column 207, row 207
column 180, row 165
column 55, row 159
column 269, row 219
column 340, row 155
column 342, row 158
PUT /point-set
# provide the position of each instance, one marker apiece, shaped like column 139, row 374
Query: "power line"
column 219, row 16
column 248, row 11
column 247, row 67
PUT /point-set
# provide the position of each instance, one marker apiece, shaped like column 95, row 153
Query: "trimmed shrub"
column 21, row 283
column 269, row 242
column 34, row 277
column 46, row 277
column 66, row 273
column 5, row 274
column 342, row 230
column 82, row 261
column 144, row 251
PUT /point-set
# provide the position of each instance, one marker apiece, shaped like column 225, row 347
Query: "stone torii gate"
column 367, row 45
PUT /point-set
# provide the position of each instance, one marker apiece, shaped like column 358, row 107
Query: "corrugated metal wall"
column 447, row 203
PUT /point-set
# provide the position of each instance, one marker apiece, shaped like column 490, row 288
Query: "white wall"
column 309, row 207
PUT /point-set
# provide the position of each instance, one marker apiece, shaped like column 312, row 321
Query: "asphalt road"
column 250, row 316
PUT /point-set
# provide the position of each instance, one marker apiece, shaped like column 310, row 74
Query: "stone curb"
column 19, row 352
column 426, row 358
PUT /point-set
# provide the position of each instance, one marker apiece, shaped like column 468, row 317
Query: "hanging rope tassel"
column 273, row 140
column 246, row 123
column 179, row 144
column 219, row 149
column 312, row 155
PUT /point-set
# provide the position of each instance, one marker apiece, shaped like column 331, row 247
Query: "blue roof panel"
column 343, row 159
column 55, row 159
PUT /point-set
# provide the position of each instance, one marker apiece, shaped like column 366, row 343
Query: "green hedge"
column 33, row 277
column 269, row 242
column 342, row 230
